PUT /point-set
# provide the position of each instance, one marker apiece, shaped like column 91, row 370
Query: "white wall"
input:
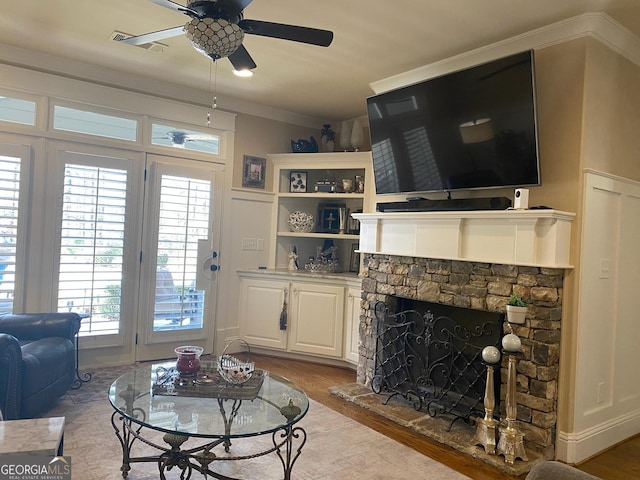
column 607, row 386
column 250, row 219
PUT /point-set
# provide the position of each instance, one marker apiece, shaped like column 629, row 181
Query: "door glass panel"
column 183, row 219
column 92, row 245
column 9, row 201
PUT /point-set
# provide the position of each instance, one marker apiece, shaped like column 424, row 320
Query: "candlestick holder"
column 511, row 442
column 487, row 427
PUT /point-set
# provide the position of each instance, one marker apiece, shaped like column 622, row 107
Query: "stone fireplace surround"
column 481, row 286
column 476, row 260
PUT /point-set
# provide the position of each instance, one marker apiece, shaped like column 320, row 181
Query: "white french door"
column 15, row 160
column 135, row 245
column 179, row 256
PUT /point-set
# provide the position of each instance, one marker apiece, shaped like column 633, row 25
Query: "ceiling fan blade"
column 241, row 60
column 176, row 6
column 154, row 36
column 313, row 36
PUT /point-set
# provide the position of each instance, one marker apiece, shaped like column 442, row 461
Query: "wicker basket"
column 233, row 370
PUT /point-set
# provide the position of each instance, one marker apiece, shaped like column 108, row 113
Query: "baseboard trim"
column 577, row 447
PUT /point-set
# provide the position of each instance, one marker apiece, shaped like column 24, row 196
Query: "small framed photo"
column 354, row 263
column 329, row 217
column 298, row 182
column 253, row 171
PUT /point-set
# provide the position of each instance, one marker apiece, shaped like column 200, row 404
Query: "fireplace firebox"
column 431, row 354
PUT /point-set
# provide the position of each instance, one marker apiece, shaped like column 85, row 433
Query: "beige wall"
column 588, row 99
column 259, row 137
column 560, row 90
column 611, row 119
column 560, row 74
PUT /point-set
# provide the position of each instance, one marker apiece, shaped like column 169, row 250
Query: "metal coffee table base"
column 201, row 458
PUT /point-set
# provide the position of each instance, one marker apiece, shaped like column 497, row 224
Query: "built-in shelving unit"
column 319, row 167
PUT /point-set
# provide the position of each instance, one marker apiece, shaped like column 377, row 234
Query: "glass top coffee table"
column 155, row 398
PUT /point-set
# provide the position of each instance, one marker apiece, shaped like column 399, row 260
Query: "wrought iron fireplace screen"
column 434, row 361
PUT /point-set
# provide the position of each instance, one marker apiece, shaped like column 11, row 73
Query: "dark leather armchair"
column 37, row 361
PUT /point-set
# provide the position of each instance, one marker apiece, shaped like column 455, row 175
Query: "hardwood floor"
column 618, row 463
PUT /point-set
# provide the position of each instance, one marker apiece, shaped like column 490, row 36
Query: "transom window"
column 93, row 123
column 208, row 142
column 16, row 110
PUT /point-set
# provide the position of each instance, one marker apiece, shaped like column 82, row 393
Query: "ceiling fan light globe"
column 216, row 38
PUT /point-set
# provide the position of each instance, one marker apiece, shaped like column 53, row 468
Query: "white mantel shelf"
column 515, row 237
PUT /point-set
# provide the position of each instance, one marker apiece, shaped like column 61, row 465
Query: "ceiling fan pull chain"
column 214, row 100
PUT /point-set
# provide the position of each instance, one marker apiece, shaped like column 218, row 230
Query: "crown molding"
column 599, row 26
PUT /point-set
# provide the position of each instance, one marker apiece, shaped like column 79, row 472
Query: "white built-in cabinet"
column 262, row 301
column 308, row 315
column 322, row 310
column 352, row 324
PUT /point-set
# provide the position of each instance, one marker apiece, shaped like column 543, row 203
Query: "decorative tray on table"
column 206, row 383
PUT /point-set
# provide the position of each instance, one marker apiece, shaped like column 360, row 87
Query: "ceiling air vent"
column 152, row 46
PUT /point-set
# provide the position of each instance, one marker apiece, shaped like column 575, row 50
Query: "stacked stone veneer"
column 481, row 286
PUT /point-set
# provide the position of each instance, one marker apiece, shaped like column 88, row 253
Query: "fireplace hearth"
column 431, row 355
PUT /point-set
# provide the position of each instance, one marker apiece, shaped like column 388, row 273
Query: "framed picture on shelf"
column 354, row 262
column 297, row 182
column 253, row 171
column 332, row 217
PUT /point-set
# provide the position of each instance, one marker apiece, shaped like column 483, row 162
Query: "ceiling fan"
column 217, row 28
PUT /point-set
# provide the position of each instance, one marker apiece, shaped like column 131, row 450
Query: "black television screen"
column 471, row 129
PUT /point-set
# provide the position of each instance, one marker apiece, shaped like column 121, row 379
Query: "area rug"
column 336, row 448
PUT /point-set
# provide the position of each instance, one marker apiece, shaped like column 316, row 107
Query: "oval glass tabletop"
column 155, row 396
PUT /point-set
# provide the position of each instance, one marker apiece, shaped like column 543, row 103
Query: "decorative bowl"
column 233, row 370
column 301, row 222
column 331, row 266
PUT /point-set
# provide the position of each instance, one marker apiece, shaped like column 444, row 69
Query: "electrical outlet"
column 249, row 244
column 260, row 244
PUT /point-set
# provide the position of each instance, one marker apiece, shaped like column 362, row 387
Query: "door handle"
column 214, row 268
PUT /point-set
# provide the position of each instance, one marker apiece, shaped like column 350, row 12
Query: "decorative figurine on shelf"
column 304, row 146
column 327, row 138
column 293, row 259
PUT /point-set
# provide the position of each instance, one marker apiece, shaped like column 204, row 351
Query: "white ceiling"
column 373, row 40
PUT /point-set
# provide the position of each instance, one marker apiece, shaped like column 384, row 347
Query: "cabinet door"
column 317, row 319
column 260, row 309
column 352, row 325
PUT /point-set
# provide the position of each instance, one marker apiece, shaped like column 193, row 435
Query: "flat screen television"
column 471, row 129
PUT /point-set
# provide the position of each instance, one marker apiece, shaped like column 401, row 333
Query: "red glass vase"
column 188, row 362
